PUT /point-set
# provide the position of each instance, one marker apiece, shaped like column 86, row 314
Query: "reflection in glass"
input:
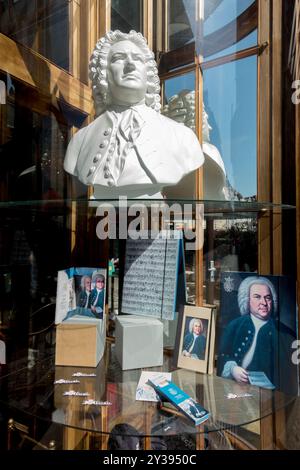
column 179, row 104
column 42, row 25
column 179, row 99
column 229, row 26
column 126, row 15
column 218, row 13
column 181, row 23
column 33, row 143
column 230, row 92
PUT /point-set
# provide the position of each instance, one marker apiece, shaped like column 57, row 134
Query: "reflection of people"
column 194, row 342
column 96, row 301
column 249, row 341
column 84, row 294
column 130, row 144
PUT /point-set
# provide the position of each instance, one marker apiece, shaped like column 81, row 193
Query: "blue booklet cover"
column 181, row 400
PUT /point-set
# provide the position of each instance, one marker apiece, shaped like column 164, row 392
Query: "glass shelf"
column 217, row 209
column 32, row 392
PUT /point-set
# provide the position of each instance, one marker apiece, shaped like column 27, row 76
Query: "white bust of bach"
column 130, row 149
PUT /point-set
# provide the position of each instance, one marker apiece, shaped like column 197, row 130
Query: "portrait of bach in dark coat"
column 256, row 340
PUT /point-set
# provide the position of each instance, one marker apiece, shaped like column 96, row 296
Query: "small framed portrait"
column 195, row 338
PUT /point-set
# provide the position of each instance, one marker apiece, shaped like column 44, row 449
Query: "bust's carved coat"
column 166, row 149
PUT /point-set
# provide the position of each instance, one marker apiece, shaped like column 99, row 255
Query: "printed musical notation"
column 150, row 281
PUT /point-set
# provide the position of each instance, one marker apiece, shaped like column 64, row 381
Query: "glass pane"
column 39, row 24
column 33, row 142
column 179, row 104
column 230, row 96
column 127, row 15
column 54, row 31
column 181, row 23
column 229, row 26
column 179, row 99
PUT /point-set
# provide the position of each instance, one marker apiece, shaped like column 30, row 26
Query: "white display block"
column 139, row 341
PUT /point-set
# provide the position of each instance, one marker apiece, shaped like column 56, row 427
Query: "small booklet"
column 259, row 379
column 181, row 400
column 146, row 392
column 80, row 292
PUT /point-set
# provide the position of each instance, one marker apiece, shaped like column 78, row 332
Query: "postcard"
column 80, row 292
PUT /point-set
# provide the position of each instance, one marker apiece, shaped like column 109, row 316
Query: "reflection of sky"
column 217, row 14
column 248, row 41
column 177, row 84
column 230, row 95
column 227, row 11
column 230, row 101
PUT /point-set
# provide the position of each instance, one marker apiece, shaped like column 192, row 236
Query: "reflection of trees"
column 240, row 238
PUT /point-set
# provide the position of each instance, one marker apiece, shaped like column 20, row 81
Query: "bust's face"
column 260, row 301
column 127, row 73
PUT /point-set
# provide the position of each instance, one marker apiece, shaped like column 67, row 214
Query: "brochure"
column 181, row 400
column 146, row 392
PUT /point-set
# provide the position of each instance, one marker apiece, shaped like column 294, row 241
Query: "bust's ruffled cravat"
column 127, row 128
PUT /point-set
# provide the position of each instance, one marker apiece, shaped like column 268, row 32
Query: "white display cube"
column 139, row 341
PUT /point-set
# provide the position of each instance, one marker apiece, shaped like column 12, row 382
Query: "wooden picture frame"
column 194, row 354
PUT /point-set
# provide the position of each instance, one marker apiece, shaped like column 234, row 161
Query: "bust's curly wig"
column 98, row 70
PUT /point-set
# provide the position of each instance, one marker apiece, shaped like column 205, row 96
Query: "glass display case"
column 38, row 238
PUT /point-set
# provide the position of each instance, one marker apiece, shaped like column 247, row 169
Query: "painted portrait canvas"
column 257, row 329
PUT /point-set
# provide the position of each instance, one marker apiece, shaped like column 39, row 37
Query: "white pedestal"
column 139, row 341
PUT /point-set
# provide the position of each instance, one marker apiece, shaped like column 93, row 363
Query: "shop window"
column 230, row 101
column 42, row 25
column 126, row 15
column 211, row 29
